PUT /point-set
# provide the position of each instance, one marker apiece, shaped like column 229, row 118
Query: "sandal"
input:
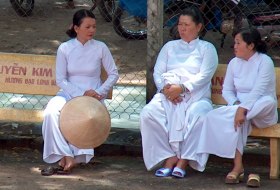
column 51, row 170
column 234, row 177
column 163, row 172
column 254, row 180
column 178, row 172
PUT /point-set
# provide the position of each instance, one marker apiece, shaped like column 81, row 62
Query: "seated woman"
column 182, row 74
column 250, row 90
column 78, row 73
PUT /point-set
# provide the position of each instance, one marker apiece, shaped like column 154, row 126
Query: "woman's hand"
column 177, row 100
column 172, row 93
column 240, row 117
column 93, row 94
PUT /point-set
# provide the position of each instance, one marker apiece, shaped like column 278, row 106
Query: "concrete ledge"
column 127, row 142
column 121, row 141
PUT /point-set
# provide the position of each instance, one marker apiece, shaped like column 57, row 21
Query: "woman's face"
column 86, row 30
column 242, row 49
column 187, row 28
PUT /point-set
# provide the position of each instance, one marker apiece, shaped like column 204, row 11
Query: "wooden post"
column 154, row 42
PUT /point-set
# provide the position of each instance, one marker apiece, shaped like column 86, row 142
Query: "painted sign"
column 31, row 74
column 27, row 74
column 217, row 84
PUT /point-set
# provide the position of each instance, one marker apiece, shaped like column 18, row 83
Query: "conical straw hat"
column 85, row 122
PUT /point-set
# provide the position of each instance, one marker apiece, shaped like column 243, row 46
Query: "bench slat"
column 21, row 115
column 270, row 132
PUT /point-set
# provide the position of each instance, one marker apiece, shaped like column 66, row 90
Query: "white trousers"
column 155, row 138
column 55, row 145
column 218, row 135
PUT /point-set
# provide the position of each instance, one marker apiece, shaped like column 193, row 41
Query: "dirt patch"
column 20, row 169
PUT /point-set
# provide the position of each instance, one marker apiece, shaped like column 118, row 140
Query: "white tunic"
column 253, row 83
column 159, row 119
column 78, row 68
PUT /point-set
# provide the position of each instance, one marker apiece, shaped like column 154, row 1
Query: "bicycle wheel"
column 129, row 26
column 107, row 8
column 23, row 7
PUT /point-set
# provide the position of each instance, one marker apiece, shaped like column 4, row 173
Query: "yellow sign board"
column 217, row 85
column 27, row 74
column 31, row 74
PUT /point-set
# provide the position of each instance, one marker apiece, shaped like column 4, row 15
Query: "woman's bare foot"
column 237, row 173
column 62, row 162
column 171, row 162
column 69, row 163
column 168, row 167
column 182, row 163
column 234, row 177
column 238, row 165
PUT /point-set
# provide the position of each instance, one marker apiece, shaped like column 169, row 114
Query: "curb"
column 127, row 142
column 121, row 141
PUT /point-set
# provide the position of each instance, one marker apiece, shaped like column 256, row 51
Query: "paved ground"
column 118, row 165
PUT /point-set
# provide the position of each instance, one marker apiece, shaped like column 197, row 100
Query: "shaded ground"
column 20, row 169
column 118, row 164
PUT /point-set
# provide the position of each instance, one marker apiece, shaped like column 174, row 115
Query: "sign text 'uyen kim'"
column 18, row 74
column 22, row 70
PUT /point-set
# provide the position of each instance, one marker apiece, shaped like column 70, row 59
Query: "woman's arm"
column 111, row 70
column 61, row 75
column 160, row 67
column 263, row 83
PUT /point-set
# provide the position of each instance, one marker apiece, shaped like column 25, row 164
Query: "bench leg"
column 274, row 158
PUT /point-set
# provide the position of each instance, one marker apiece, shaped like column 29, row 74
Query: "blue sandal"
column 163, row 172
column 178, row 172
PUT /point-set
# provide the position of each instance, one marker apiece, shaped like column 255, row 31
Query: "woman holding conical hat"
column 78, row 73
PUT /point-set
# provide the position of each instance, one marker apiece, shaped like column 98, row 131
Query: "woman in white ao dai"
column 250, row 90
column 182, row 74
column 78, row 73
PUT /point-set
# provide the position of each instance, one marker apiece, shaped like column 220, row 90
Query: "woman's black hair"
column 77, row 20
column 194, row 13
column 253, row 36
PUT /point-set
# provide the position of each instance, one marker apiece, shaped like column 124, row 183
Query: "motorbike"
column 130, row 17
column 106, row 8
column 264, row 15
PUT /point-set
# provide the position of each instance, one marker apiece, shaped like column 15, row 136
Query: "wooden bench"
column 28, row 75
column 272, row 132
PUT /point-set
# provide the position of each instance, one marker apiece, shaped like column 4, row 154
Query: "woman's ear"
column 76, row 28
column 199, row 27
column 251, row 46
